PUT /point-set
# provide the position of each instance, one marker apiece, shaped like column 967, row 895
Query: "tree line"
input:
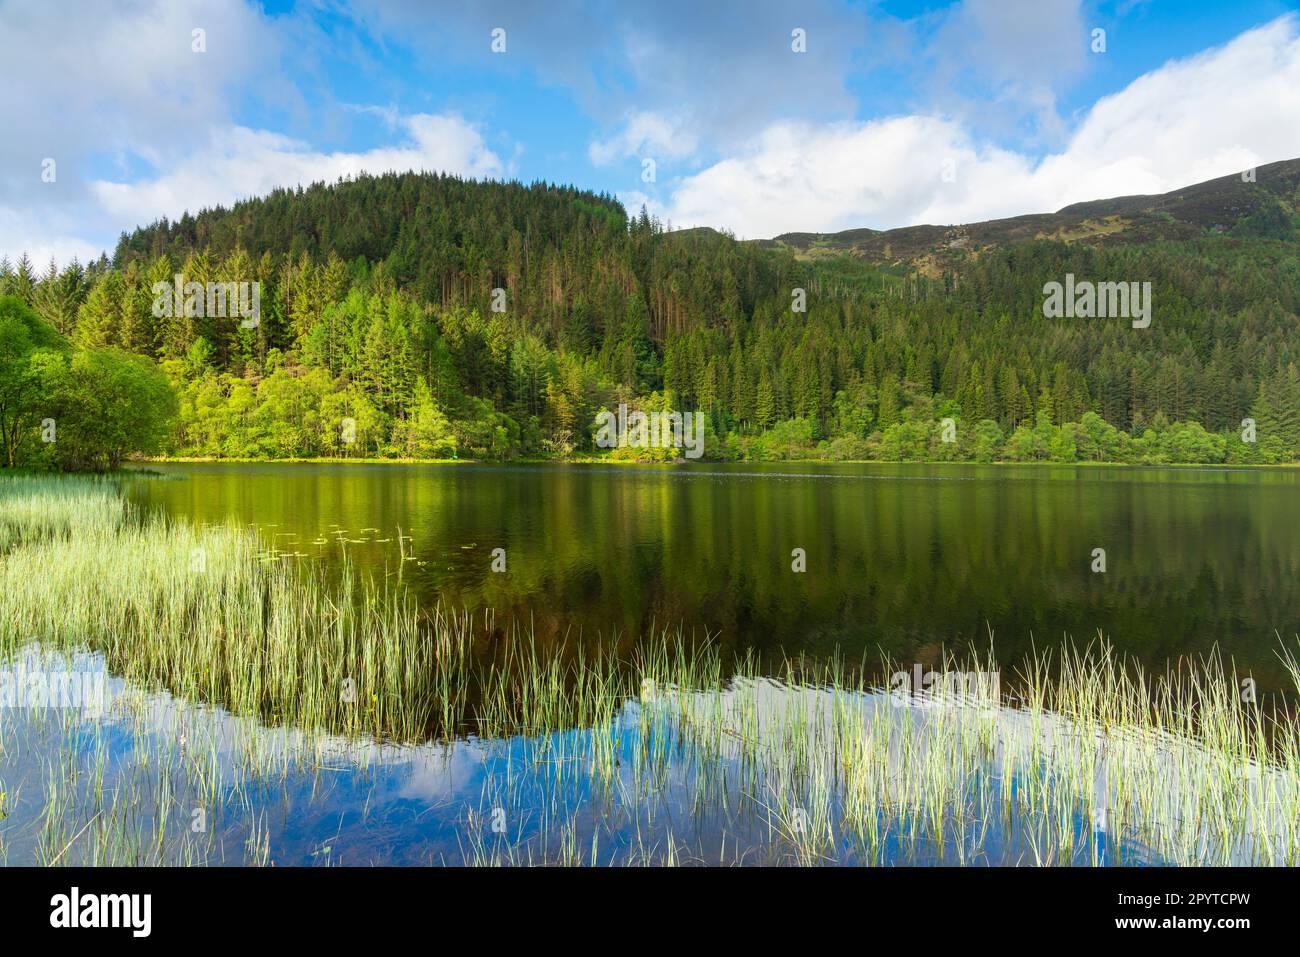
column 421, row 315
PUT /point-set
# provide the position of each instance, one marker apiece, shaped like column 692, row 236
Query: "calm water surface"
column 910, row 560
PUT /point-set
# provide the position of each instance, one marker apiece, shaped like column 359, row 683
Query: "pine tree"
column 764, row 403
column 99, row 317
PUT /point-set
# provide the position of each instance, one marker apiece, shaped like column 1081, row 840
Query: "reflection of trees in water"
column 900, row 565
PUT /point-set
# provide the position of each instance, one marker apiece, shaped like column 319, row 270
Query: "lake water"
column 909, row 560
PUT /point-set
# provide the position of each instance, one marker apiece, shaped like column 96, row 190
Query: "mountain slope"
column 1224, row 205
column 493, row 319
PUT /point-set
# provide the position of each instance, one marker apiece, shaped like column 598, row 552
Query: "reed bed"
column 301, row 688
column 33, row 507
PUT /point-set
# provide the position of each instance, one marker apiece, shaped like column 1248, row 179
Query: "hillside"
column 448, row 317
column 450, row 242
column 1226, row 205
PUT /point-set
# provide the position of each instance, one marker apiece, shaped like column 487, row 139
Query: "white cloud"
column 1188, row 121
column 801, row 177
column 645, row 134
column 240, row 162
column 104, row 87
column 1191, row 120
column 992, row 62
column 56, row 240
column 94, row 77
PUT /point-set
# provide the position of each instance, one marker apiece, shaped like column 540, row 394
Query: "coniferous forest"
column 449, row 318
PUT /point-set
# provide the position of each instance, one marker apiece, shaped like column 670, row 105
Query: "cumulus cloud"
column 840, row 176
column 721, row 70
column 240, row 162
column 109, row 78
column 108, row 88
column 998, row 63
column 142, row 121
column 41, row 240
column 1191, row 120
column 645, row 134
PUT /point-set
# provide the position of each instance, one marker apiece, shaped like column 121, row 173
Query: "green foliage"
column 988, row 441
column 425, row 433
column 27, row 345
column 76, row 410
column 791, row 439
column 1270, row 222
column 377, row 307
column 106, row 405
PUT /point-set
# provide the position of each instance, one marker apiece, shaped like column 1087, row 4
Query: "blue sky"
column 895, row 112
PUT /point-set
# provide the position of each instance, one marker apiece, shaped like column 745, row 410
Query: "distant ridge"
column 1228, row 204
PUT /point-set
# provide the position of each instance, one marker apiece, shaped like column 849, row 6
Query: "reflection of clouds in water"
column 1166, row 777
column 237, row 747
column 368, row 802
column 438, row 772
column 240, row 750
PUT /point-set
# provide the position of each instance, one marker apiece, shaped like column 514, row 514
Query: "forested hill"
column 436, row 234
column 449, row 242
column 448, row 317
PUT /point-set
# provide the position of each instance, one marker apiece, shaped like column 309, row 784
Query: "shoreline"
column 594, row 460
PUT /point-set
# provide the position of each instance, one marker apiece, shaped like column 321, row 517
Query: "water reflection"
column 756, row 773
column 905, row 559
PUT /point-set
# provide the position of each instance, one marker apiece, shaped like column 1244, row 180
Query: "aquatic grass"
column 910, row 772
column 209, row 614
column 655, row 750
column 36, row 507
